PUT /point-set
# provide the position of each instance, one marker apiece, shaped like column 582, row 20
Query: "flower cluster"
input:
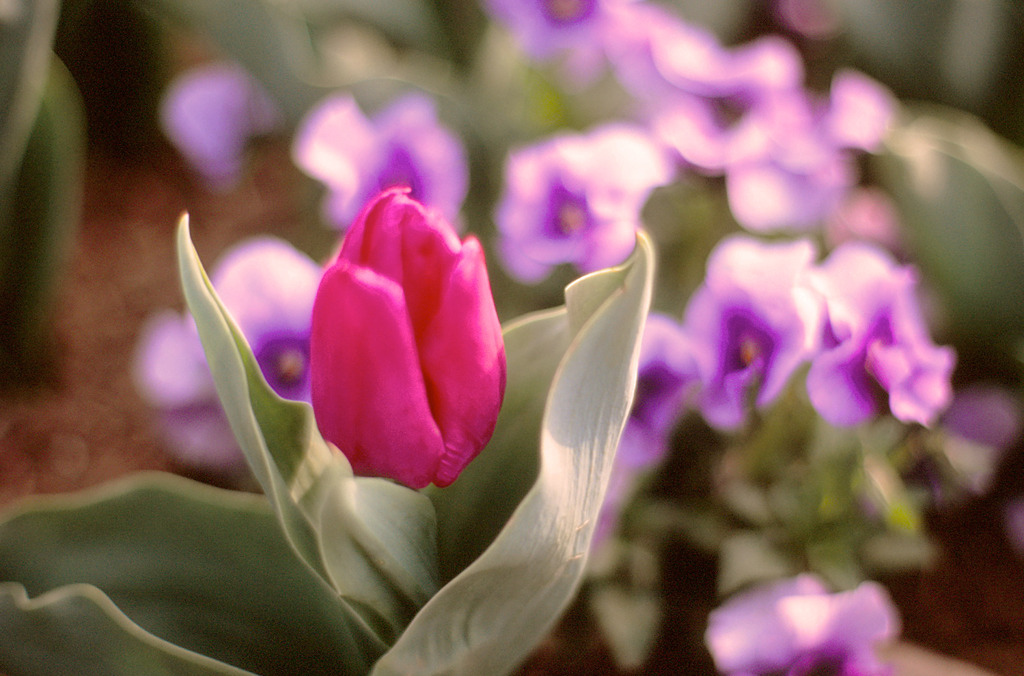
column 268, row 287
column 787, row 155
column 766, row 308
column 402, row 145
column 797, row 627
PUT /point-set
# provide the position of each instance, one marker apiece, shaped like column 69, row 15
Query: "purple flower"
column 866, row 213
column 268, row 287
column 577, row 199
column 986, row 414
column 172, row 376
column 796, row 627
column 403, row 145
column 656, row 55
column 875, row 342
column 790, row 163
column 210, row 113
column 860, row 111
column 781, row 171
column 666, row 376
column 752, row 323
column 714, row 123
column 787, row 157
column 1013, row 523
column 407, row 355
column 811, row 18
column 549, row 28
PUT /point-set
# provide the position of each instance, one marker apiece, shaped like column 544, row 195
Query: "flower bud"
column 406, row 355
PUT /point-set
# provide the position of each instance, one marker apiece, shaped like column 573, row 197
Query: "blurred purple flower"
column 782, row 171
column 811, row 18
column 656, row 55
column 404, row 144
column 268, row 287
column 711, row 125
column 787, row 157
column 666, row 376
column 875, row 342
column 868, row 214
column 790, row 163
column 210, row 113
column 1013, row 523
column 546, row 29
column 577, row 198
column 860, row 111
column 985, row 414
column 752, row 323
column 797, row 628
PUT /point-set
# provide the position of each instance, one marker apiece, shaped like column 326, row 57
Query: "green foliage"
column 148, row 575
column 961, row 190
column 492, row 614
column 39, row 207
column 165, row 576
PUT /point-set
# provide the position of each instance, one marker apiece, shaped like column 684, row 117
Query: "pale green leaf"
column 379, row 542
column 157, row 574
column 279, row 438
column 492, row 614
column 472, row 510
column 372, row 540
column 77, row 630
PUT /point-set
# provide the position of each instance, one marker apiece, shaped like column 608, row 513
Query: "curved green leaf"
column 333, row 519
column 491, row 615
column 204, row 569
column 77, row 630
column 379, row 542
column 961, row 190
column 472, row 510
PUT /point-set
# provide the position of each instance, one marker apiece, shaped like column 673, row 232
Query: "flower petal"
column 368, row 391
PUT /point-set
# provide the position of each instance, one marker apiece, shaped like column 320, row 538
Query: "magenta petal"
column 463, row 358
column 368, row 391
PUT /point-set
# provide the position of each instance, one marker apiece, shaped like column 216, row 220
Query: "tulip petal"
column 463, row 359
column 368, row 390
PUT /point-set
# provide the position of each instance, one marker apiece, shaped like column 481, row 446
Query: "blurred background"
column 92, row 185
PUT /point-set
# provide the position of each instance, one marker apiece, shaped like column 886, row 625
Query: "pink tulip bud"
column 407, row 359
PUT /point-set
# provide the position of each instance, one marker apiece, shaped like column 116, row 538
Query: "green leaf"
column 149, row 574
column 337, row 523
column 379, row 541
column 472, row 510
column 37, row 223
column 491, row 615
column 25, row 45
column 961, row 190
